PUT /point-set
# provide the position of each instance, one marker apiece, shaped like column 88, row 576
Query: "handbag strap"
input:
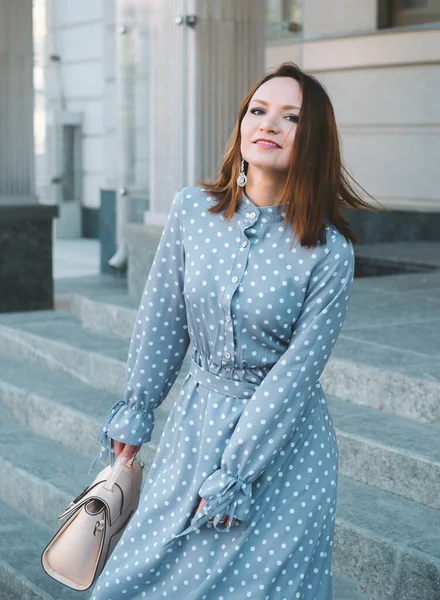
column 120, row 463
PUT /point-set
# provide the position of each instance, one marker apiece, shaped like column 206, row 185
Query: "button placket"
column 233, row 284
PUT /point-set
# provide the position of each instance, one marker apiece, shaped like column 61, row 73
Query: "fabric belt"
column 221, row 385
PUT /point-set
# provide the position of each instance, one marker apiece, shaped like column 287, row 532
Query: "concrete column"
column 205, row 57
column 16, row 102
column 134, row 37
column 25, row 225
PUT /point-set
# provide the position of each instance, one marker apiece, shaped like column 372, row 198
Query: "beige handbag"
column 97, row 518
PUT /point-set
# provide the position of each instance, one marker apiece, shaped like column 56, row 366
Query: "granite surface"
column 26, row 279
column 394, row 226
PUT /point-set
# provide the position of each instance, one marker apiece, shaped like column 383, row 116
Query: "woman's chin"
column 267, row 165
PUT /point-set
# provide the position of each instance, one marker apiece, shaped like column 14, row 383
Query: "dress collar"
column 251, row 212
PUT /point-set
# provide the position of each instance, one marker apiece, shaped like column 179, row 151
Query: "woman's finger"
column 224, row 518
column 128, row 450
column 125, row 449
column 118, row 447
column 202, row 503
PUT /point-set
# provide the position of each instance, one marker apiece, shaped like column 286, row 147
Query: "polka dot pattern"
column 250, row 430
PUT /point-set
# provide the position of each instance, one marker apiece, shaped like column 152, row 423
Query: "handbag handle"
column 121, row 462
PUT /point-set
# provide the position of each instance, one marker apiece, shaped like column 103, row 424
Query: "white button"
column 227, row 355
column 228, row 317
column 252, row 215
column 234, row 279
column 244, row 244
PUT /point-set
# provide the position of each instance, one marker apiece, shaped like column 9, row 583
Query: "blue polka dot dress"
column 250, row 429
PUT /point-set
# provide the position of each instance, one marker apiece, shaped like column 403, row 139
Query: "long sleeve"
column 158, row 344
column 286, row 395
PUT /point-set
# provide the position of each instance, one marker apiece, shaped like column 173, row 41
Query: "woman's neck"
column 264, row 189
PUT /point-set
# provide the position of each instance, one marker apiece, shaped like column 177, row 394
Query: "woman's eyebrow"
column 285, row 107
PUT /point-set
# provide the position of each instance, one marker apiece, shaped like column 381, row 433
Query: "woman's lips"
column 267, row 145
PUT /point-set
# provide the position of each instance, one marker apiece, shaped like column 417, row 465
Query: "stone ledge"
column 145, row 234
column 26, row 208
column 26, row 254
column 142, row 242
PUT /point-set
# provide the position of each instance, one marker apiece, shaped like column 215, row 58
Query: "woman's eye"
column 260, row 111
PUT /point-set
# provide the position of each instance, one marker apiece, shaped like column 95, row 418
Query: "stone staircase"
column 60, row 371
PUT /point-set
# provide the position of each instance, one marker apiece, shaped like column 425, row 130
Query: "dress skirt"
column 282, row 551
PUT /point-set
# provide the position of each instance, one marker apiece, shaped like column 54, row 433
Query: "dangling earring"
column 242, row 179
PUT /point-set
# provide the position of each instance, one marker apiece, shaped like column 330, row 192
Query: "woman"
column 255, row 270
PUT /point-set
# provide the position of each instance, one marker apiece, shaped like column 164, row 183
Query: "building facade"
column 378, row 59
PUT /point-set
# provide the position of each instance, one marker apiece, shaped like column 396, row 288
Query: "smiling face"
column 269, row 125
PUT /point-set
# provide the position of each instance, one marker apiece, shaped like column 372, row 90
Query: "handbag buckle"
column 99, row 526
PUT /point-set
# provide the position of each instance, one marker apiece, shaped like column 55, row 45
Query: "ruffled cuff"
column 124, row 424
column 226, row 495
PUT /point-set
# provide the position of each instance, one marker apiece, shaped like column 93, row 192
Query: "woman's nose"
column 268, row 123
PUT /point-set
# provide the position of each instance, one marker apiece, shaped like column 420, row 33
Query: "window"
column 400, row 13
column 413, row 4
column 283, row 19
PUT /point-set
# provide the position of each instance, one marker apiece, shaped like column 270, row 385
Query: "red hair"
column 317, row 187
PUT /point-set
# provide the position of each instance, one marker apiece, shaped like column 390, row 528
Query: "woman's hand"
column 224, row 518
column 126, row 450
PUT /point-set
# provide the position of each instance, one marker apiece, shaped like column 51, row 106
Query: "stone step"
column 22, row 577
column 345, row 588
column 101, row 303
column 367, row 373
column 108, row 312
column 43, row 475
column 60, row 407
column 381, row 449
column 22, row 541
column 384, row 378
column 105, row 316
column 56, row 340
column 387, row 451
column 96, row 286
column 384, row 450
column 14, row 586
column 388, row 544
